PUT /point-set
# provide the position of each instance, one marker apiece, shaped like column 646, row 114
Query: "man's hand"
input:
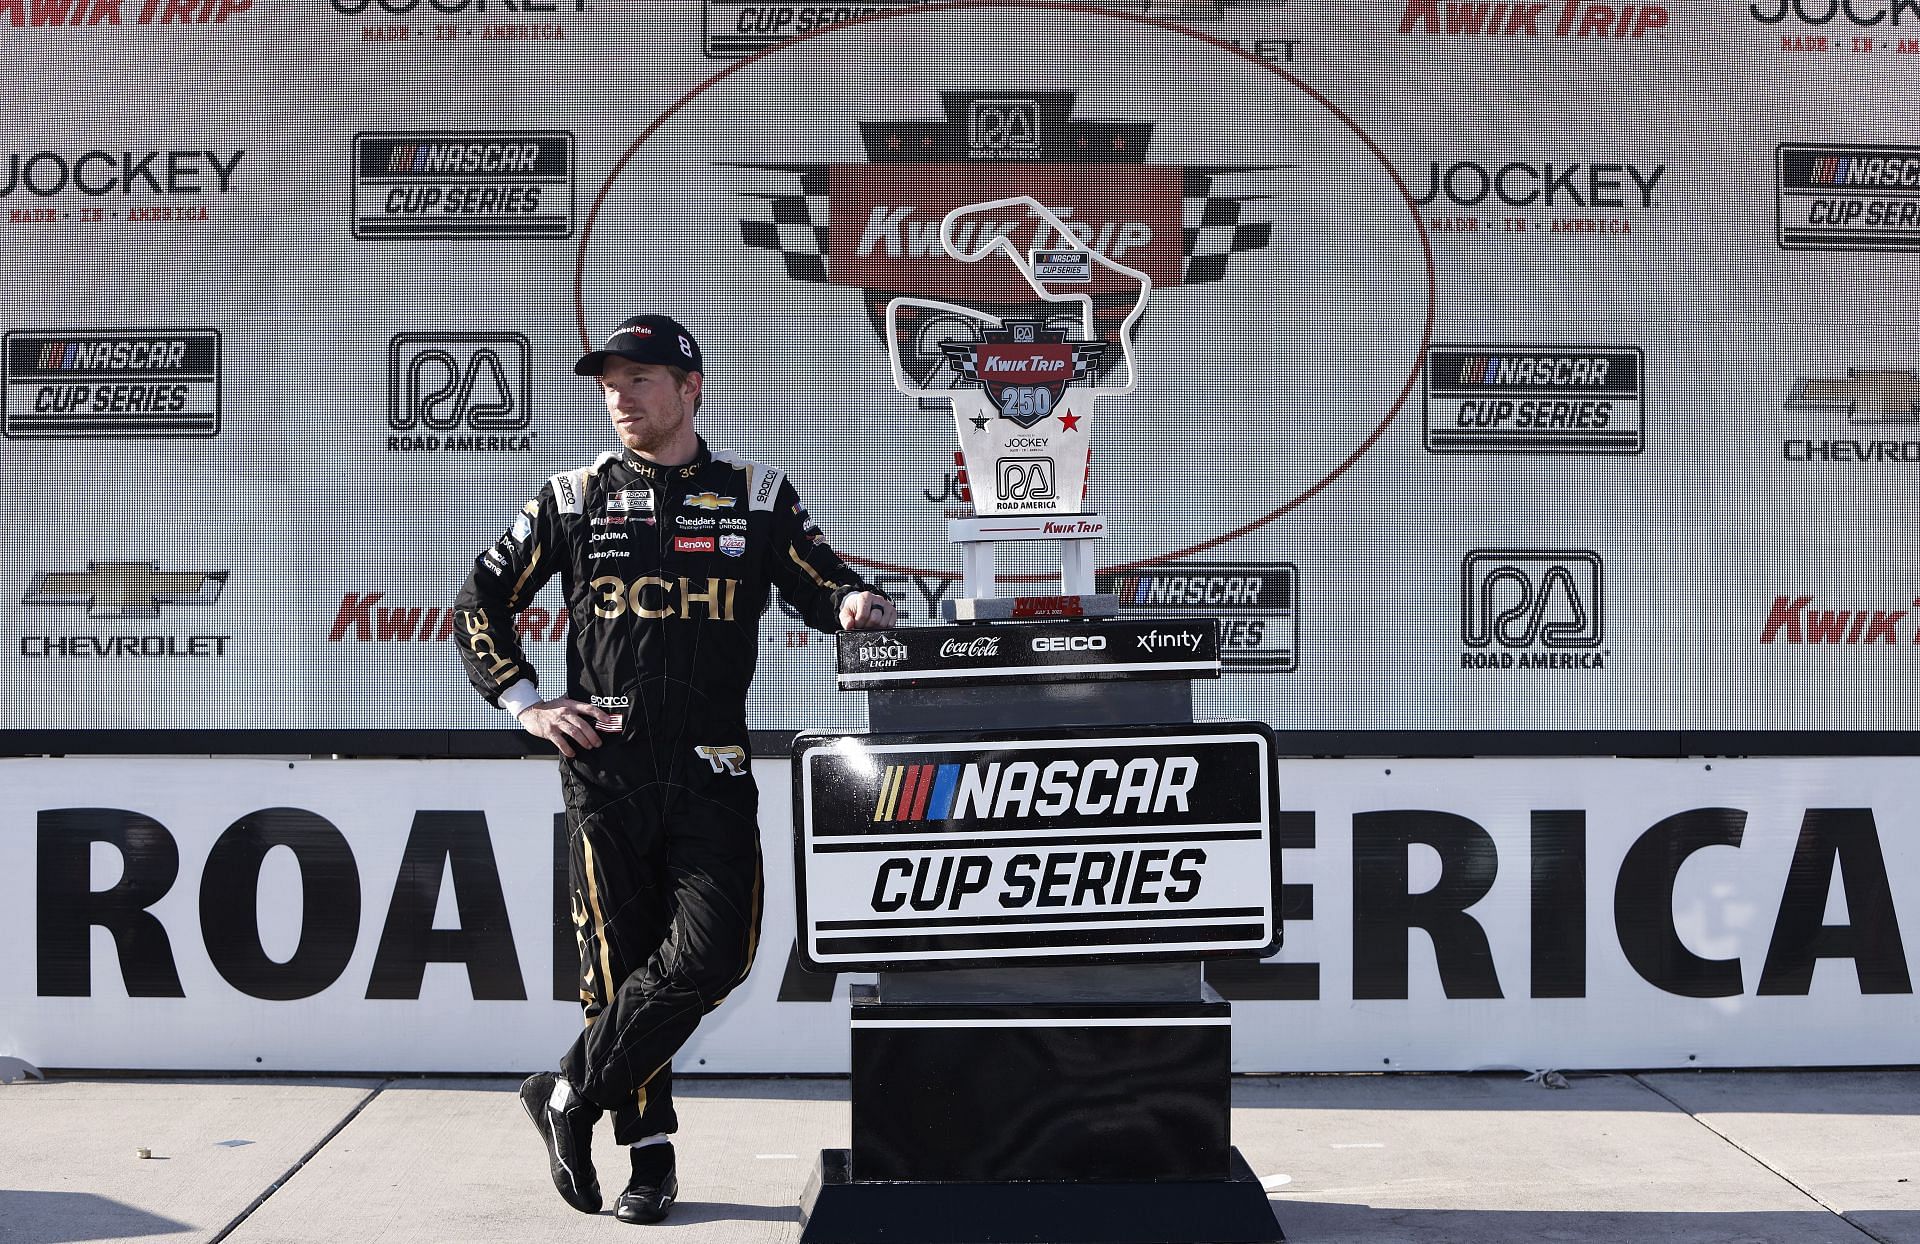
column 565, row 723
column 865, row 611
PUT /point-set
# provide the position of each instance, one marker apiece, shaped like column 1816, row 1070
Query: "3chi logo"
column 439, row 382
column 1540, row 603
column 1025, row 366
column 730, row 760
column 1024, row 479
column 125, row 589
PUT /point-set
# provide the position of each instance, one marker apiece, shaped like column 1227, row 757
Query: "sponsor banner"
column 435, row 184
column 1880, row 405
column 1445, row 915
column 1510, row 19
column 1535, row 399
column 731, row 28
column 970, row 850
column 22, row 14
column 117, row 592
column 87, row 383
column 1257, row 604
column 1028, row 652
column 1848, row 197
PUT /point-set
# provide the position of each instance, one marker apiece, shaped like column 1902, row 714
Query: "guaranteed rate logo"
column 1535, row 399
column 459, row 393
column 1531, row 609
column 104, row 383
column 439, row 184
column 1848, row 197
column 1881, row 403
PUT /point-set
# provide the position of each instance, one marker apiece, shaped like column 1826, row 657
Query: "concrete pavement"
column 1789, row 1157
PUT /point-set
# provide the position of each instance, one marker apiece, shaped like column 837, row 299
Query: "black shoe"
column 651, row 1191
column 568, row 1135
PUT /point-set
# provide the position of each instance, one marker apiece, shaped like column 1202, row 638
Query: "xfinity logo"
column 1530, row 599
column 1155, row 641
column 1070, row 643
column 125, row 589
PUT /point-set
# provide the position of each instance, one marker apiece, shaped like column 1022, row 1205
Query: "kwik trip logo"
column 440, row 184
column 1256, row 602
column 1883, row 403
column 1531, row 609
column 114, row 591
column 100, row 383
column 1535, row 399
column 1796, row 620
column 729, row 28
column 875, row 225
column 1562, row 19
column 1847, row 197
column 459, row 393
column 23, row 13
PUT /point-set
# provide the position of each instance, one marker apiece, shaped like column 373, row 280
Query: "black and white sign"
column 963, row 850
column 463, row 184
column 1536, row 399
column 1029, row 652
column 1840, row 196
column 86, row 383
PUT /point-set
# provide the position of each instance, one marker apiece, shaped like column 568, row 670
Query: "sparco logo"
column 1535, row 399
column 729, row 28
column 1531, row 609
column 1883, row 400
column 458, row 392
column 979, row 646
column 122, row 591
column 1255, row 602
column 112, row 382
column 875, row 226
column 453, row 184
column 1847, row 197
column 1520, row 183
column 99, row 174
column 1820, row 12
column 22, row 13
column 1562, row 19
column 1794, row 620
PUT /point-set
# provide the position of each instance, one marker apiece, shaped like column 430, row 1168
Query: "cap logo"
column 686, row 347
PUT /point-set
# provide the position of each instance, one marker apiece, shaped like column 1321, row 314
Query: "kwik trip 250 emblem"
column 463, row 184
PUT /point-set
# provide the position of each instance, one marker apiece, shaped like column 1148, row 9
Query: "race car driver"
column 666, row 552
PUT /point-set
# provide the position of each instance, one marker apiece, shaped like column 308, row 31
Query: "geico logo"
column 1145, row 785
column 96, row 173
column 651, row 596
column 480, row 643
column 1070, row 643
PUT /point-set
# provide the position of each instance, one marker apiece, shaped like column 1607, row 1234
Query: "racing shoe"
column 565, row 1120
column 651, row 1191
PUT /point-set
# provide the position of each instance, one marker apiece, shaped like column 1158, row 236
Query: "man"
column 666, row 554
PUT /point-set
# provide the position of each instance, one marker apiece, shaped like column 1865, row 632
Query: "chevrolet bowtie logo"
column 709, row 501
column 1886, row 396
column 125, row 589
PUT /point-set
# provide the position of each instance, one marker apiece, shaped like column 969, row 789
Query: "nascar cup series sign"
column 925, row 850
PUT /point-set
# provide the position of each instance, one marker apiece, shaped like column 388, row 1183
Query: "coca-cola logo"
column 981, row 646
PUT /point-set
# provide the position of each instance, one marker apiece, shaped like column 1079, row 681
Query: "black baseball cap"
column 645, row 339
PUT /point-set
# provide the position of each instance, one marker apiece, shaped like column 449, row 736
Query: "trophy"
column 1023, row 413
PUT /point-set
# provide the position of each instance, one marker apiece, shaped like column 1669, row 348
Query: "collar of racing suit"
column 655, row 473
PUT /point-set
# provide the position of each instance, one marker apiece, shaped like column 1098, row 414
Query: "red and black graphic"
column 1019, row 362
column 876, row 225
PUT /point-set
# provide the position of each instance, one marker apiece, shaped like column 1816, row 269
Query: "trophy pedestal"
column 1072, row 533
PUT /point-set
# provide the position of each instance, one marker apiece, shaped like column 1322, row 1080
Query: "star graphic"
column 979, row 423
column 1069, row 423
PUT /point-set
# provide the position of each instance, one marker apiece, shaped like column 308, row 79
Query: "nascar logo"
column 1145, row 785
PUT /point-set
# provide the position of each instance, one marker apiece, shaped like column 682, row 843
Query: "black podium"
column 1034, row 847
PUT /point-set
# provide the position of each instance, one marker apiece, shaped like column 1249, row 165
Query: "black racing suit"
column 665, row 571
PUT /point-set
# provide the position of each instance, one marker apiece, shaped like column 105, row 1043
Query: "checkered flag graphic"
column 792, row 221
column 1212, row 232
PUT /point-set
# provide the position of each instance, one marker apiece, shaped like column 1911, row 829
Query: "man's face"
column 650, row 409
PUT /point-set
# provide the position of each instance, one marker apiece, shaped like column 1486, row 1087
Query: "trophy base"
column 1029, row 608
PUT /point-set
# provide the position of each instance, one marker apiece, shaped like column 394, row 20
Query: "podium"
column 1034, row 847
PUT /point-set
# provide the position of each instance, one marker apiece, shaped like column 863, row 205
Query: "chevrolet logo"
column 709, row 501
column 1885, row 396
column 125, row 589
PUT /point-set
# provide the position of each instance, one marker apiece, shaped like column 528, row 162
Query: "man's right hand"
column 565, row 723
